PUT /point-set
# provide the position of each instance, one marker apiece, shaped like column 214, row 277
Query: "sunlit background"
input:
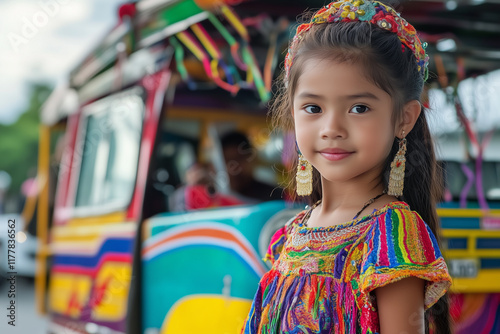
column 42, row 41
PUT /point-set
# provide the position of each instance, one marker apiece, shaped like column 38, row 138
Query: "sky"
column 42, row 40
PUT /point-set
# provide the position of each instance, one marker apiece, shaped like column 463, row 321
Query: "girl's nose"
column 333, row 126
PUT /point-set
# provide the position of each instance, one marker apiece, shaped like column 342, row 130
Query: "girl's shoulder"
column 401, row 233
column 400, row 212
column 397, row 219
column 401, row 244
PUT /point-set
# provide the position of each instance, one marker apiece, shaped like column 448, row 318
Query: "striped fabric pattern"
column 322, row 278
column 276, row 245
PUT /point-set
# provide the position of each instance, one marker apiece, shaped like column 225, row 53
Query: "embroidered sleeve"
column 278, row 240
column 276, row 245
column 399, row 245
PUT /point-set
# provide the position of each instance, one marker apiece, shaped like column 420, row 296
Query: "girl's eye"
column 359, row 109
column 312, row 109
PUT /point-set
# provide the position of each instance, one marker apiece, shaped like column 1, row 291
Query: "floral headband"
column 374, row 12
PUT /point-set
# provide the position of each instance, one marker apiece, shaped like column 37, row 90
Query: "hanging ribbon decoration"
column 270, row 61
column 246, row 62
column 193, row 46
column 217, row 60
column 469, row 174
column 480, row 146
column 179, row 58
column 471, row 134
column 235, row 21
column 249, row 58
column 234, row 45
column 253, row 72
column 202, row 56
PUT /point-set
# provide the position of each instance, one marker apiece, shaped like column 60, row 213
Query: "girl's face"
column 343, row 121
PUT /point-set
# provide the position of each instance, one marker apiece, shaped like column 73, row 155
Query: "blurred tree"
column 19, row 141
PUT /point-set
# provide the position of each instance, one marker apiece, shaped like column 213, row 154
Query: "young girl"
column 364, row 257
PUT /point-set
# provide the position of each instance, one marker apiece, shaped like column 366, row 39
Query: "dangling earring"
column 397, row 175
column 304, row 177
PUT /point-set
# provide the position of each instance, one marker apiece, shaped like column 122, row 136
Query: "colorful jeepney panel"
column 200, row 269
column 93, row 233
column 91, row 274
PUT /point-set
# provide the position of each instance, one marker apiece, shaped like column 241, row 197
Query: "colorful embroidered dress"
column 322, row 278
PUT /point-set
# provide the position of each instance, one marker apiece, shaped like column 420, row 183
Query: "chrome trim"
column 172, row 29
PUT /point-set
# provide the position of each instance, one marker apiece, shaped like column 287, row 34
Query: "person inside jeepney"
column 241, row 160
column 199, row 191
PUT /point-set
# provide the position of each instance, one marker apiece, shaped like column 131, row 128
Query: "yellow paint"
column 487, row 281
column 63, row 287
column 468, row 213
column 98, row 220
column 30, row 204
column 480, row 253
column 206, row 314
column 113, row 305
column 471, row 236
column 42, row 218
column 89, row 234
column 464, row 233
column 79, row 239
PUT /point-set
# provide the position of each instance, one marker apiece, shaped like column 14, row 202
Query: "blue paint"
column 470, row 205
column 457, row 243
column 460, row 223
column 490, row 263
column 488, row 243
column 114, row 245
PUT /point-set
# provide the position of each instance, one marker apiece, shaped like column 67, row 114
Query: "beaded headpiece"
column 373, row 12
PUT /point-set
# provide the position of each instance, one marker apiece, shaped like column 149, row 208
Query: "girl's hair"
column 394, row 70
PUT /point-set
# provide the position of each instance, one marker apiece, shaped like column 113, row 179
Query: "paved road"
column 28, row 321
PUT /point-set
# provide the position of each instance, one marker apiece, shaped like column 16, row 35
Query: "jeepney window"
column 186, row 151
column 176, row 150
column 110, row 151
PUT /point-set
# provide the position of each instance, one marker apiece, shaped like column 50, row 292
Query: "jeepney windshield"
column 110, row 151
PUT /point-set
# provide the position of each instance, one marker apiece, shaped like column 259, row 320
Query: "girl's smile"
column 335, row 154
